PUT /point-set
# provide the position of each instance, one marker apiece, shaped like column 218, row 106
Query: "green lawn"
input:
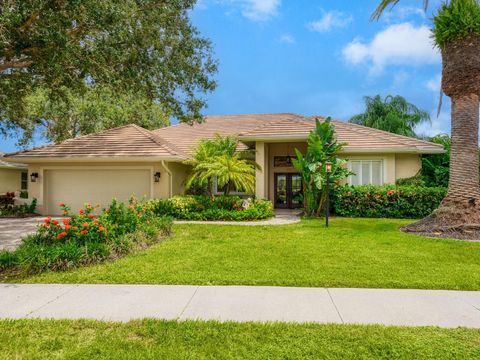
column 351, row 253
column 150, row 339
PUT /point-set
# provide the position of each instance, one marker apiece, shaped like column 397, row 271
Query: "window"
column 366, row 172
column 24, row 181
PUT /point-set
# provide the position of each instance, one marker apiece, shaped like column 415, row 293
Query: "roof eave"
column 96, row 159
column 405, row 150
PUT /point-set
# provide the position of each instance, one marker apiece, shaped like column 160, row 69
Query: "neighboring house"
column 13, row 177
column 132, row 160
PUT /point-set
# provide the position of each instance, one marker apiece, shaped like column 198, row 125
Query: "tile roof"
column 126, row 141
column 8, row 165
column 356, row 137
column 186, row 136
column 178, row 141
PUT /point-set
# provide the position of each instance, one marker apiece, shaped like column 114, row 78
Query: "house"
column 13, row 177
column 131, row 160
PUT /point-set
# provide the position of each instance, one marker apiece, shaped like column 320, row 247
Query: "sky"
column 318, row 57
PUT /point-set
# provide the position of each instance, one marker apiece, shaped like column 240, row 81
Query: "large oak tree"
column 139, row 48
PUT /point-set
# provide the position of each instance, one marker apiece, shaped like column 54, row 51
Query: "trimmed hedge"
column 408, row 202
column 202, row 208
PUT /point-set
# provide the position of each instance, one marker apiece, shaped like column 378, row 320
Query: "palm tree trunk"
column 464, row 173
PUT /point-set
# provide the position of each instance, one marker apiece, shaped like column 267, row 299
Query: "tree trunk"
column 464, row 174
column 459, row 213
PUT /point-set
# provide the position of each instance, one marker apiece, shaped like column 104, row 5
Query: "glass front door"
column 288, row 191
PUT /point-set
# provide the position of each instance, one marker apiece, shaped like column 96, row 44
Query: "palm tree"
column 231, row 173
column 457, row 33
column 219, row 158
column 394, row 114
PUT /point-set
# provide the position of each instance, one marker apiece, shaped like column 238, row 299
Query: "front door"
column 288, row 191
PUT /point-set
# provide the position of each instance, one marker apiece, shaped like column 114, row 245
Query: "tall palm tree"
column 457, row 33
column 394, row 114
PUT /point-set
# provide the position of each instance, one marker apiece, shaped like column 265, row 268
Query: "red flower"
column 65, row 213
column 101, row 228
column 85, row 225
column 81, row 212
column 391, row 192
column 66, row 221
column 92, row 217
column 61, row 235
column 61, row 204
column 83, row 232
column 47, row 220
column 55, row 222
column 67, row 227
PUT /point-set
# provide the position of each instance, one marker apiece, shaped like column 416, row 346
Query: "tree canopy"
column 393, row 114
column 65, row 48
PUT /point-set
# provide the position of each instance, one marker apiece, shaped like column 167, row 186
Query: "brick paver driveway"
column 13, row 230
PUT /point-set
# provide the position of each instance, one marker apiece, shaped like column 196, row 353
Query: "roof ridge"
column 383, row 134
column 159, row 141
column 263, row 125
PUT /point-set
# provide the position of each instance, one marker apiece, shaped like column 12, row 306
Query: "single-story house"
column 132, row 160
column 13, row 177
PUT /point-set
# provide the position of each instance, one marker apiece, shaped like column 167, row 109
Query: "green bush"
column 85, row 238
column 198, row 207
column 389, row 201
column 11, row 210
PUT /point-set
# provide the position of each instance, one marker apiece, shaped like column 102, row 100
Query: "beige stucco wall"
column 179, row 176
column 10, row 180
column 395, row 166
column 407, row 165
column 38, row 189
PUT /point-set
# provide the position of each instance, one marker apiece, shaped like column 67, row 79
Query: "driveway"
column 13, row 230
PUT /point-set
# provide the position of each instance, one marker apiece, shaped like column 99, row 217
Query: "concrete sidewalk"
column 242, row 303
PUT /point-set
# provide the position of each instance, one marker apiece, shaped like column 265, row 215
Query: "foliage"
column 385, row 3
column 97, row 109
column 199, row 207
column 416, row 180
column 389, row 201
column 456, row 19
column 85, row 238
column 148, row 48
column 8, row 209
column 435, row 167
column 322, row 148
column 393, row 114
column 219, row 159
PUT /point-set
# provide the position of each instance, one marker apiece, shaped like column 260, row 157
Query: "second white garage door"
column 75, row 187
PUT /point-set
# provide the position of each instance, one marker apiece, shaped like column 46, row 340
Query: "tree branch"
column 15, row 65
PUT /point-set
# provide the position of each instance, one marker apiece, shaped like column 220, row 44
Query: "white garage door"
column 95, row 186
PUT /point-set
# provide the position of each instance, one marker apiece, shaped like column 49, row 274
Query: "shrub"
column 232, row 208
column 8, row 209
column 386, row 201
column 86, row 238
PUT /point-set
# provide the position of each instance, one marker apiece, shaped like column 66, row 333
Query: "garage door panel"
column 96, row 186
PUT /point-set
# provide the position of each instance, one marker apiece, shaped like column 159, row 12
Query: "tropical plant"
column 435, row 167
column 219, row 159
column 322, row 148
column 393, row 114
column 457, row 33
column 149, row 48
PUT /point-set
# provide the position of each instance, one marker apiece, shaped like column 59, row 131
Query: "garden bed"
column 84, row 239
column 219, row 208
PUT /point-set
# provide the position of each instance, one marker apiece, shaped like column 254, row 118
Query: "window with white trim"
column 366, row 172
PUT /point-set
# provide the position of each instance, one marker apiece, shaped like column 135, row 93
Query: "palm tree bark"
column 464, row 173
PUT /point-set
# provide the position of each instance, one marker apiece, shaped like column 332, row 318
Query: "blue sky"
column 318, row 57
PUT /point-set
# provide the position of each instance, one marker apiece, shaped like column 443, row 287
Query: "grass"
column 153, row 339
column 369, row 253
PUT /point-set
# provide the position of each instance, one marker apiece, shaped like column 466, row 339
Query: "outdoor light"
column 328, row 167
column 33, row 177
column 156, row 176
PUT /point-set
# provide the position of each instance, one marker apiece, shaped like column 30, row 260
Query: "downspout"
column 170, row 186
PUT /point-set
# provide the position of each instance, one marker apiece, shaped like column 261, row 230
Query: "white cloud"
column 400, row 44
column 259, row 10
column 287, row 39
column 434, row 84
column 439, row 125
column 401, row 13
column 330, row 20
